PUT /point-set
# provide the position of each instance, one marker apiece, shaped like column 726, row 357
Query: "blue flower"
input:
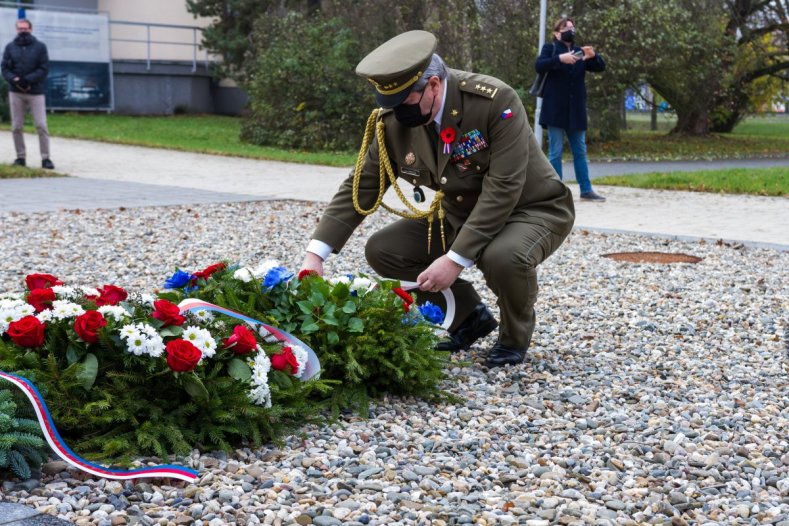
column 178, row 280
column 432, row 313
column 275, row 276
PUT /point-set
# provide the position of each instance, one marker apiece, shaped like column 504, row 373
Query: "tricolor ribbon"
column 313, row 366
column 448, row 297
column 62, row 450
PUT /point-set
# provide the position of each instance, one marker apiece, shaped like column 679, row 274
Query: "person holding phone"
column 564, row 100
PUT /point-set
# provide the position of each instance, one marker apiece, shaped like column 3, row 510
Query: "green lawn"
column 10, row 171
column 762, row 181
column 193, row 133
column 756, row 137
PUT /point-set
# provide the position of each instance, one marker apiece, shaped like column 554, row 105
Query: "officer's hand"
column 312, row 262
column 568, row 58
column 589, row 52
column 440, row 275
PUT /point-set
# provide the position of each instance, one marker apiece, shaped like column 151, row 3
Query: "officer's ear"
column 434, row 82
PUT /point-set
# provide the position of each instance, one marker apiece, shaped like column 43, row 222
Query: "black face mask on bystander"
column 568, row 36
column 411, row 116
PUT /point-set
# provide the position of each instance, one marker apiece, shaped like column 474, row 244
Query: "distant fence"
column 157, row 42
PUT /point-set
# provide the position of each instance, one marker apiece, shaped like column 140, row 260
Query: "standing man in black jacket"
column 25, row 66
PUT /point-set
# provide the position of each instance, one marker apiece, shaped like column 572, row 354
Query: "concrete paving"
column 19, row 515
column 110, row 175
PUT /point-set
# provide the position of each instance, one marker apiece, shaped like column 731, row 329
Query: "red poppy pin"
column 447, row 137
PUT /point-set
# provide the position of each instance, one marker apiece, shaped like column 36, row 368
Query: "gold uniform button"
column 460, row 198
column 414, row 181
column 443, row 180
column 478, row 168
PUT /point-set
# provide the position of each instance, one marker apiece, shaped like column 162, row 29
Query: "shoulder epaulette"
column 479, row 88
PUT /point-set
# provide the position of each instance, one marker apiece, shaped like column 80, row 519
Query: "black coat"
column 27, row 58
column 564, row 95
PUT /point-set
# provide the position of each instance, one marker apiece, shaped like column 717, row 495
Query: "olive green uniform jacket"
column 509, row 181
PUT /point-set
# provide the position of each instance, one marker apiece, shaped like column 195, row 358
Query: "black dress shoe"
column 19, row 161
column 501, row 355
column 47, row 163
column 478, row 324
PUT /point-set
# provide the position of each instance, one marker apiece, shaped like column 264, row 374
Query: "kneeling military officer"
column 498, row 201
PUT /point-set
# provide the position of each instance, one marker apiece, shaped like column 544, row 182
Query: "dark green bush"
column 21, row 444
column 304, row 93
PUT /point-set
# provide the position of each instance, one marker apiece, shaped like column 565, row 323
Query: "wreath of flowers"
column 145, row 327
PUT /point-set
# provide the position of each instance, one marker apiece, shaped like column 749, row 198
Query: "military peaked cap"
column 396, row 65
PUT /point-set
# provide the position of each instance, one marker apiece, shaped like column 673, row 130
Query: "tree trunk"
column 653, row 116
column 693, row 122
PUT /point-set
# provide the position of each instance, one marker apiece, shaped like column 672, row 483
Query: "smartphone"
column 578, row 54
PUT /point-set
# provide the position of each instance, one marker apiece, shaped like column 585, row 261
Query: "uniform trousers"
column 20, row 103
column 508, row 263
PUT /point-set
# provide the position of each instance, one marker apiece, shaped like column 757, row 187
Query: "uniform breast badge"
column 447, row 137
column 468, row 144
column 410, row 158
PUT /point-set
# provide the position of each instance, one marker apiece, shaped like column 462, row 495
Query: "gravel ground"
column 653, row 394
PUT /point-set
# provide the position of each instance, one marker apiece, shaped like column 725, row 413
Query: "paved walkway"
column 109, row 176
column 19, row 515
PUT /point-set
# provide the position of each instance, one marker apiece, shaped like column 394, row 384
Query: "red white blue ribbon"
column 449, row 297
column 62, row 450
column 313, row 366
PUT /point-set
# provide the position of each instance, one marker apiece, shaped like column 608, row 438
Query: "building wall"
column 168, row 43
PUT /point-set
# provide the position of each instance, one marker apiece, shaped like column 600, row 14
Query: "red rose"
column 306, row 272
column 210, row 269
column 41, row 299
column 182, row 356
column 242, row 341
column 41, row 281
column 87, row 326
column 167, row 312
column 284, row 359
column 110, row 295
column 27, row 332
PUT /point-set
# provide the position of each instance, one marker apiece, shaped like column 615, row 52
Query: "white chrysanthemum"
column 192, row 334
column 63, row 309
column 361, row 285
column 342, row 279
column 208, row 347
column 204, row 315
column 13, row 310
column 148, row 330
column 64, row 292
column 260, row 366
column 244, row 274
column 89, row 291
column 261, row 395
column 262, row 269
column 154, row 347
column 25, row 310
column 44, row 316
column 301, row 357
column 135, row 344
column 8, row 296
column 127, row 331
column 117, row 312
column 147, row 299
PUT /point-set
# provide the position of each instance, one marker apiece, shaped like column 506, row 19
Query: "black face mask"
column 568, row 36
column 411, row 116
